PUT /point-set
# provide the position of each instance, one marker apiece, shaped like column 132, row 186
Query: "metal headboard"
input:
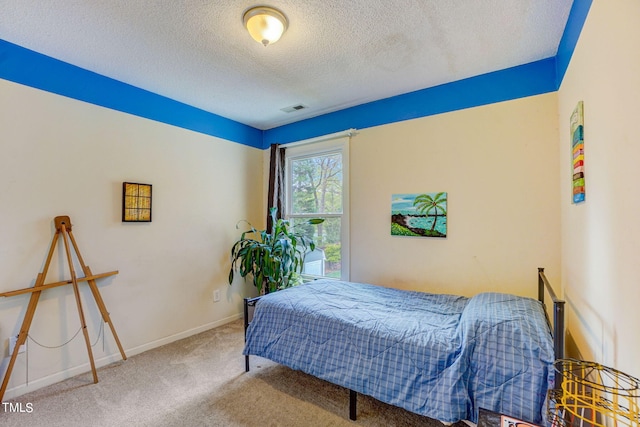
column 558, row 313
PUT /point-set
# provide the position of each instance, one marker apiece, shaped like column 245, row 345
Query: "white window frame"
column 318, row 147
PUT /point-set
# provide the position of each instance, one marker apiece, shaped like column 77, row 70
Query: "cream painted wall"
column 499, row 165
column 60, row 156
column 601, row 237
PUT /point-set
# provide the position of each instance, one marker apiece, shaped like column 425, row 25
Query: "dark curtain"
column 276, row 183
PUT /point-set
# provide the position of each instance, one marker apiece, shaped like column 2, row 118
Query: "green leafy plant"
column 274, row 258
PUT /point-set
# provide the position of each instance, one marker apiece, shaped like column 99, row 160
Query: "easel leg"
column 76, row 292
column 103, row 309
column 96, row 295
column 28, row 317
column 22, row 336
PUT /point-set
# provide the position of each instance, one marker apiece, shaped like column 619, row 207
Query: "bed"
column 441, row 356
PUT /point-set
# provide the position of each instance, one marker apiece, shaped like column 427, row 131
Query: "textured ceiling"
column 335, row 54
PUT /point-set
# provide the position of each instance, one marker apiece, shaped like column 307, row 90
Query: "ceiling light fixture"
column 265, row 24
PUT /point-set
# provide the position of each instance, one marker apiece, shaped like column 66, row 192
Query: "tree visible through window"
column 315, row 187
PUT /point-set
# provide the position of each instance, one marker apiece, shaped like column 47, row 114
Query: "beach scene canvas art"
column 419, row 214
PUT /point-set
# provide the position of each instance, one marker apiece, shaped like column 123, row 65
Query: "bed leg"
column 248, row 316
column 353, row 400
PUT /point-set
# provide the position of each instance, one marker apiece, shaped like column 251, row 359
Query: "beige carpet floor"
column 200, row 381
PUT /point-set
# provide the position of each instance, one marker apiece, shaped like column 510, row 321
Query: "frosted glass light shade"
column 265, row 24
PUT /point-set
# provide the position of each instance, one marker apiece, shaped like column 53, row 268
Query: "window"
column 316, row 186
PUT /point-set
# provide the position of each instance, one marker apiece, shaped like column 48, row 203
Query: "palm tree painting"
column 422, row 214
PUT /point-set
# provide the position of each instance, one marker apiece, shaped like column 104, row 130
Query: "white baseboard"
column 145, row 347
column 19, row 390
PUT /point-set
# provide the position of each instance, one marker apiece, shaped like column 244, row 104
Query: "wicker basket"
column 593, row 395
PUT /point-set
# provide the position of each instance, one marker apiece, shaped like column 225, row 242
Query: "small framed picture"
column 136, row 202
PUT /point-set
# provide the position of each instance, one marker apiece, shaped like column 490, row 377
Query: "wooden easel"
column 63, row 227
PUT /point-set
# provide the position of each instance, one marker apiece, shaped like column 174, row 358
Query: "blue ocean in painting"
column 426, row 223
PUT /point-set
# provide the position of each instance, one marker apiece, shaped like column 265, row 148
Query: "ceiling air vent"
column 293, row 108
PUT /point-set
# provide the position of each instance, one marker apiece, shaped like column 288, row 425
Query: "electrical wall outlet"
column 12, row 344
column 216, row 295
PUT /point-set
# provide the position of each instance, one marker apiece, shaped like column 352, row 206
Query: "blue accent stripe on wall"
column 575, row 22
column 525, row 80
column 24, row 66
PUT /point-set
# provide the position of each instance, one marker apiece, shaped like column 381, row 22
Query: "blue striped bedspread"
column 442, row 356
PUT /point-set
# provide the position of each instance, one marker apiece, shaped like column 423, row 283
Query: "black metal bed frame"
column 557, row 329
column 558, row 314
column 249, row 307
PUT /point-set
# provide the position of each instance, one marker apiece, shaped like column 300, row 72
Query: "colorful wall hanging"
column 577, row 152
column 420, row 214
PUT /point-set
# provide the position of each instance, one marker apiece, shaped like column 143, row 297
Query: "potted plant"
column 275, row 258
